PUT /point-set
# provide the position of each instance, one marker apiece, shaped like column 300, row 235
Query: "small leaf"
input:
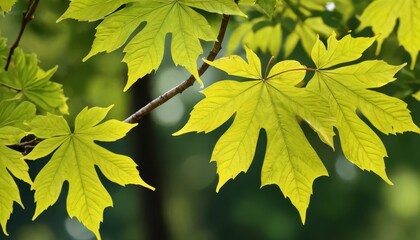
column 92, row 10
column 272, row 104
column 74, row 159
column 346, row 89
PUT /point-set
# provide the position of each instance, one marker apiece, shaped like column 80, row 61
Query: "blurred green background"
column 349, row 204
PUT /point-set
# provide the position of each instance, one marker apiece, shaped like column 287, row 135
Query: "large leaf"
column 74, row 161
column 382, row 16
column 144, row 52
column 271, row 103
column 12, row 115
column 346, row 89
column 27, row 81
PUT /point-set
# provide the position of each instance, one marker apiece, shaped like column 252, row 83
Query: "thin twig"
column 135, row 118
column 26, row 146
column 28, row 15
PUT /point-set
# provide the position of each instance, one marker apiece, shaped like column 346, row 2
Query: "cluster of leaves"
column 291, row 20
column 26, row 94
column 31, row 105
column 144, row 52
column 274, row 102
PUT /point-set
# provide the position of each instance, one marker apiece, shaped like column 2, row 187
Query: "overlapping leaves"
column 331, row 99
column 271, row 103
column 12, row 115
column 74, row 158
column 144, row 52
column 382, row 16
column 266, row 32
column 347, row 90
column 25, row 80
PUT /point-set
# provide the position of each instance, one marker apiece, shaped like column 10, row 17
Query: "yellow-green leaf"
column 12, row 115
column 347, row 90
column 92, row 10
column 382, row 16
column 272, row 104
column 74, row 159
column 28, row 81
column 144, row 52
column 6, row 5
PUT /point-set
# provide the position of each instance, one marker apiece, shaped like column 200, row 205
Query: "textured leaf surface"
column 382, row 16
column 272, row 104
column 74, row 159
column 12, row 115
column 29, row 82
column 144, row 52
column 346, row 89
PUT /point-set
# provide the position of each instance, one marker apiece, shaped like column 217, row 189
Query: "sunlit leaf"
column 144, row 52
column 74, row 159
column 382, row 16
column 272, row 104
column 12, row 164
column 347, row 90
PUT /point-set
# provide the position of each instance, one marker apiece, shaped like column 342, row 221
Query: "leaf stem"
column 135, row 117
column 268, row 65
column 292, row 70
column 28, row 15
column 10, row 87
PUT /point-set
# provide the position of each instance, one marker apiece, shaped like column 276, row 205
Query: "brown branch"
column 135, row 118
column 28, row 15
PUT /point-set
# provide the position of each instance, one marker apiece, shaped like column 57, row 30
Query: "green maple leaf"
column 6, row 5
column 74, row 161
column 271, row 103
column 347, row 90
column 12, row 116
column 144, row 52
column 27, row 81
column 382, row 16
